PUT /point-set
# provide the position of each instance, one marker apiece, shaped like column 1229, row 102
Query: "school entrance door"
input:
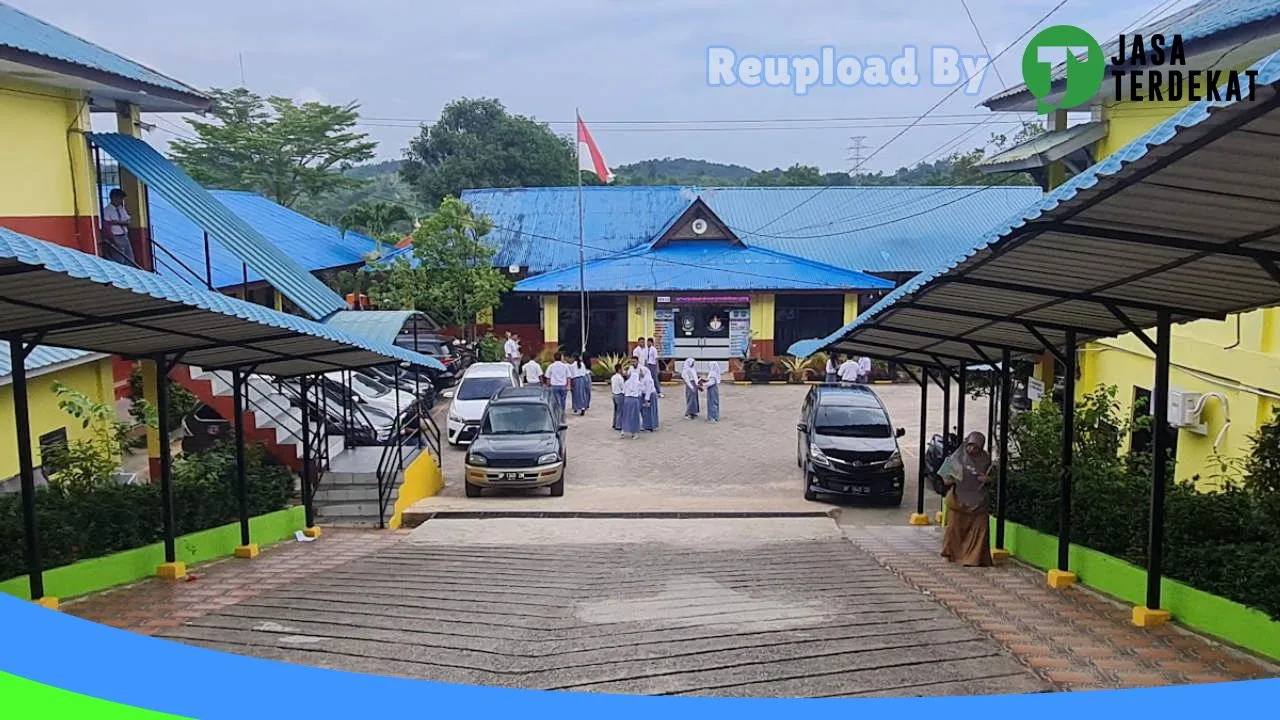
column 607, row 331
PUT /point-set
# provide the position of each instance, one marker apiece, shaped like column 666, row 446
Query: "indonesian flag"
column 589, row 157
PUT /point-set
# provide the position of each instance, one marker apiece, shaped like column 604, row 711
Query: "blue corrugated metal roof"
column 702, row 265
column 41, row 356
column 865, row 229
column 75, row 264
column 378, row 325
column 238, row 237
column 28, row 34
column 312, row 244
column 1268, row 74
column 1194, row 23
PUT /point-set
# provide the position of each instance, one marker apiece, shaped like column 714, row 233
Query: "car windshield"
column 852, row 421
column 426, row 346
column 481, row 388
column 517, row 419
column 367, row 386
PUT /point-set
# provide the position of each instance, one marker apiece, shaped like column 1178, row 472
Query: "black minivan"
column 846, row 445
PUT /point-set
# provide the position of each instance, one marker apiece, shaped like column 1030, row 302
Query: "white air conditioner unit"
column 1183, row 412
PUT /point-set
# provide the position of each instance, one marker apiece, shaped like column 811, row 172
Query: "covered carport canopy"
column 1181, row 224
column 1185, row 219
column 54, row 296
column 51, row 295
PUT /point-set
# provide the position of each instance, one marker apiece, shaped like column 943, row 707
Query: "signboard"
column 1035, row 389
column 664, row 299
column 739, row 332
column 731, row 300
column 664, row 332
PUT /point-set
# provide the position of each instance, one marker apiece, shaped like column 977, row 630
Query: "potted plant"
column 665, row 373
column 758, row 371
column 736, row 370
column 794, row 369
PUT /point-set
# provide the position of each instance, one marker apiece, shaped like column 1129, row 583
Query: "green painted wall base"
column 129, row 566
column 1239, row 625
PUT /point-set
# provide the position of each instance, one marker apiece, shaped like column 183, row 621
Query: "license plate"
column 857, row 489
column 511, row 476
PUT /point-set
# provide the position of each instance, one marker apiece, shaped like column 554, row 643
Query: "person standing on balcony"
column 115, row 229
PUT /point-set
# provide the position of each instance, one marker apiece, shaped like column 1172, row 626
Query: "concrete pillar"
column 128, row 122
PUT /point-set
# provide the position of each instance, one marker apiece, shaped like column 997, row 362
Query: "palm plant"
column 797, row 369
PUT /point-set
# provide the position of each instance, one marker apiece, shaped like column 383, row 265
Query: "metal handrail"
column 391, row 462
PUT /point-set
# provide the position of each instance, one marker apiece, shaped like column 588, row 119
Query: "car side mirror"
column 901, row 432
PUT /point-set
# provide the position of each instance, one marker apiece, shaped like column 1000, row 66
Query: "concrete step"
column 338, row 494
column 350, row 512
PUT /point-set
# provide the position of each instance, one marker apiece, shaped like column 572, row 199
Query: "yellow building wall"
column 639, row 317
column 850, row 307
column 1238, row 358
column 762, row 316
column 45, row 160
column 93, row 378
column 551, row 320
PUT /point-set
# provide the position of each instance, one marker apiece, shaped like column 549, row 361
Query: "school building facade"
column 723, row 274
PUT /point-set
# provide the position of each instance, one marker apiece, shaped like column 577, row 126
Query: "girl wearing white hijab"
column 648, row 401
column 691, row 389
column 713, row 391
column 631, row 391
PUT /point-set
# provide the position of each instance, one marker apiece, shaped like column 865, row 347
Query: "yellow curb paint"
column 1145, row 617
column 1060, row 579
column 311, row 532
column 1000, row 555
column 47, row 602
column 172, row 571
column 248, row 552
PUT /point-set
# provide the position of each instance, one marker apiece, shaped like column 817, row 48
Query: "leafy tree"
column 795, row 176
column 378, row 219
column 476, row 143
column 274, row 146
column 451, row 278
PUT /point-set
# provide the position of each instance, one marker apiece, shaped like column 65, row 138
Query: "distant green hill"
column 682, row 171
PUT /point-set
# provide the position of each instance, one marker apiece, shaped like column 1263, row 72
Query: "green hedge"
column 1224, row 542
column 109, row 518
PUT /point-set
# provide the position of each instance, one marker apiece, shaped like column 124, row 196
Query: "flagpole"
column 582, row 273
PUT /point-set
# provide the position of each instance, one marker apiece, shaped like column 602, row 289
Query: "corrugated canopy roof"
column 64, row 298
column 1046, row 148
column 40, row 358
column 702, row 265
column 864, row 229
column 1186, row 219
column 273, row 264
column 29, row 41
column 381, row 326
column 313, row 245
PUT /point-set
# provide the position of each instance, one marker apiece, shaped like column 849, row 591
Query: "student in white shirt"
column 558, row 379
column 831, row 369
column 632, row 389
column 713, row 391
column 511, row 348
column 115, row 227
column 532, row 372
column 648, row 401
column 651, row 362
column 640, row 353
column 864, row 369
column 616, row 385
column 848, row 371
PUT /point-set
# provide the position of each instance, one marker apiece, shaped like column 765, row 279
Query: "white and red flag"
column 589, row 156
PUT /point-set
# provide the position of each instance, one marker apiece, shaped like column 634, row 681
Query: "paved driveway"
column 761, row 607
column 743, row 464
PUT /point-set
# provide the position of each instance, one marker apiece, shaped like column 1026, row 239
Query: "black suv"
column 520, row 444
column 846, row 445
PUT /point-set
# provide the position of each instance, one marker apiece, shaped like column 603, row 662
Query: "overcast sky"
column 618, row 60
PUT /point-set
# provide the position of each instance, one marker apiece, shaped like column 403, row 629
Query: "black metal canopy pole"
column 304, row 384
column 18, row 352
column 918, row 517
column 1152, row 615
column 1063, row 577
column 1002, row 488
column 171, row 569
column 946, row 408
column 960, row 398
column 239, row 382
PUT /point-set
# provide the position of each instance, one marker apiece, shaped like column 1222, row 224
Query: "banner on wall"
column 739, row 332
column 663, row 332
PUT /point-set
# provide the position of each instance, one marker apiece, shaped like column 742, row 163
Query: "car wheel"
column 809, row 494
column 473, row 491
column 557, row 488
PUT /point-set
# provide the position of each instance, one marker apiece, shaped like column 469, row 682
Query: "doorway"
column 606, row 330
